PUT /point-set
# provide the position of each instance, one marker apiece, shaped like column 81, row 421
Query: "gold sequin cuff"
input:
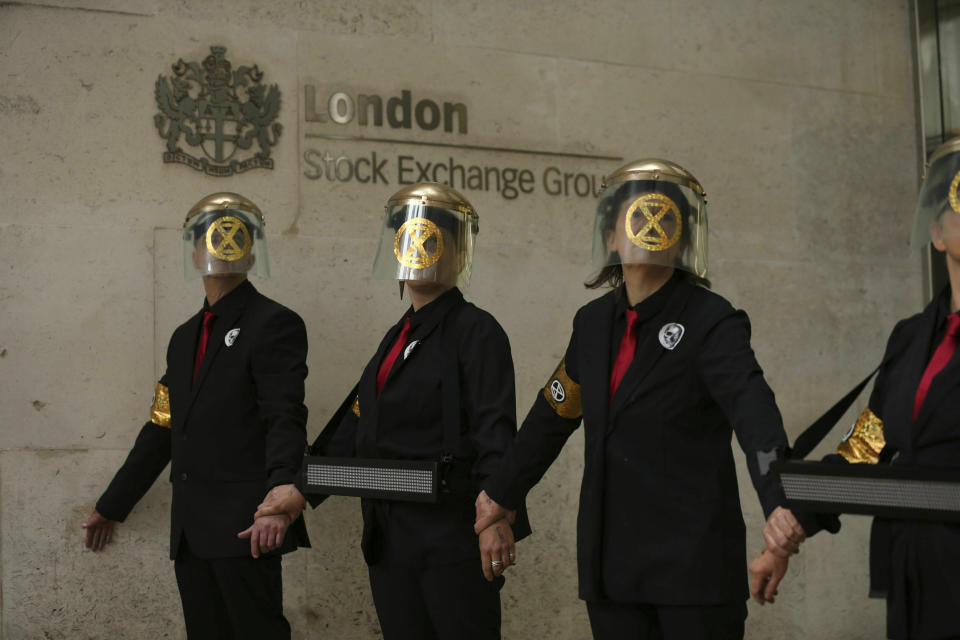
column 160, row 411
column 356, row 406
column 563, row 393
column 865, row 441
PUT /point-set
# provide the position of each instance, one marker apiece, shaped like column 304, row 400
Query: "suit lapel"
column 424, row 329
column 228, row 313
column 184, row 352
column 649, row 351
column 594, row 345
column 942, row 384
column 216, row 341
column 385, row 346
column 900, row 423
column 367, row 395
column 366, row 434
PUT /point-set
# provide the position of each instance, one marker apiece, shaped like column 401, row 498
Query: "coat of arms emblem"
column 220, row 110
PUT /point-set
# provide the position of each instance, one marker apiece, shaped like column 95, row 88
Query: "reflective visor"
column 651, row 222
column 224, row 241
column 938, row 204
column 429, row 243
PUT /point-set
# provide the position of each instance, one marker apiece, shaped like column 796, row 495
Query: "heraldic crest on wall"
column 219, row 110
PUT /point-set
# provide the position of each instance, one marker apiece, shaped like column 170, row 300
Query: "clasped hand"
column 495, row 536
column 782, row 534
column 281, row 507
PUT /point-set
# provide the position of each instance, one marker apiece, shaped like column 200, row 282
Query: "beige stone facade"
column 799, row 119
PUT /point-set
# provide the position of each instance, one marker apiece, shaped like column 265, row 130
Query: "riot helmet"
column 224, row 234
column 938, row 205
column 428, row 234
column 651, row 211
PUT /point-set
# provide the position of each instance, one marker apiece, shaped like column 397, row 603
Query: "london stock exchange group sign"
column 216, row 119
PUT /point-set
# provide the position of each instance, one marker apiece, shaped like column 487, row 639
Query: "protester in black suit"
column 913, row 419
column 426, row 572
column 661, row 372
column 228, row 415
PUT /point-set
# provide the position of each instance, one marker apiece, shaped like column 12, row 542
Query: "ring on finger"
column 496, row 563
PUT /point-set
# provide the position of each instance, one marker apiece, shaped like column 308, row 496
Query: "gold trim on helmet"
column 563, row 393
column 865, row 441
column 224, row 201
column 432, row 194
column 944, row 149
column 654, row 169
column 952, row 193
column 160, row 411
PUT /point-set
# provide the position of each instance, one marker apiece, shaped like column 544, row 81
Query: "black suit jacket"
column 405, row 422
column 915, row 563
column 660, row 519
column 233, row 435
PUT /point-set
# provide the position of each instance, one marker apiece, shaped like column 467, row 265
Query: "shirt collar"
column 652, row 304
column 943, row 309
column 232, row 300
column 430, row 313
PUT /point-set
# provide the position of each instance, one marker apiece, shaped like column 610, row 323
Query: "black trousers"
column 226, row 598
column 924, row 595
column 447, row 602
column 614, row 621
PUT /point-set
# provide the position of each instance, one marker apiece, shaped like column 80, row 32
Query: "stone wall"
column 798, row 118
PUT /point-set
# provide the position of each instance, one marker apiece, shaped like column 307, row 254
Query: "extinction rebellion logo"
column 219, row 112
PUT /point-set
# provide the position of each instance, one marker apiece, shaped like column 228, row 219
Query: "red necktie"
column 628, row 345
column 208, row 317
column 939, row 360
column 393, row 355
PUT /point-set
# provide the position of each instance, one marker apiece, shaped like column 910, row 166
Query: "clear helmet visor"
column 427, row 243
column 938, row 205
column 651, row 222
column 224, row 242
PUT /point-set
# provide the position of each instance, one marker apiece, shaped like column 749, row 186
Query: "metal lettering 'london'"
column 399, row 112
column 219, row 110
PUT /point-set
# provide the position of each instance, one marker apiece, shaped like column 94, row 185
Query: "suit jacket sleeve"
column 279, row 369
column 489, row 394
column 537, row 445
column 730, row 371
column 148, row 457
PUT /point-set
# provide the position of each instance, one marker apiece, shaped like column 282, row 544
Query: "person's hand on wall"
column 266, row 533
column 488, row 512
column 283, row 499
column 766, row 572
column 782, row 533
column 497, row 550
column 99, row 531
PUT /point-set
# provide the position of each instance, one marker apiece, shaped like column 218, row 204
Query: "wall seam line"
column 31, row 5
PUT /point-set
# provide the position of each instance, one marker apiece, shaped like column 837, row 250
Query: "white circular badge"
column 670, row 335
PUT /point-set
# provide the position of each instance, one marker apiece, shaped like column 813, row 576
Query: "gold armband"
column 160, row 411
column 356, row 406
column 563, row 393
column 864, row 442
